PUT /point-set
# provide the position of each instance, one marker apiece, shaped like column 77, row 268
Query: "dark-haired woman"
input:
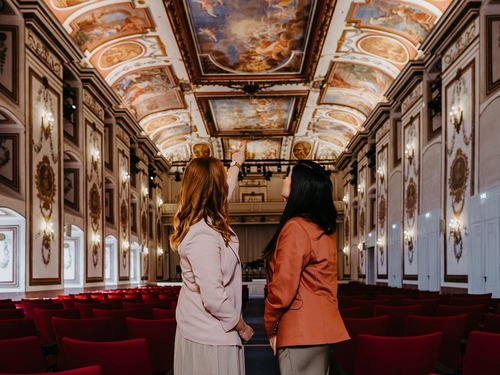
column 210, row 329
column 301, row 316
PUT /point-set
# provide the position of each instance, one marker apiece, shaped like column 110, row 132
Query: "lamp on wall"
column 409, row 153
column 47, row 122
column 380, row 245
column 361, row 247
column 361, row 190
column 160, row 202
column 145, row 192
column 126, row 246
column 145, row 250
column 160, row 252
column 380, row 174
column 456, row 230
column 456, row 117
column 408, row 240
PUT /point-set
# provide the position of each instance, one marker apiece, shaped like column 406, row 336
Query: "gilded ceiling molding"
column 461, row 44
column 41, row 50
column 93, row 104
column 412, row 98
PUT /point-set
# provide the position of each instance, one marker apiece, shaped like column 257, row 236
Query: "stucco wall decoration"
column 381, row 243
column 95, row 204
column 362, row 196
column 347, row 233
column 124, row 215
column 459, row 167
column 8, row 255
column 411, row 165
column 45, row 209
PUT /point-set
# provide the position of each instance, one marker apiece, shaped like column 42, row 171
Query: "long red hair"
column 203, row 196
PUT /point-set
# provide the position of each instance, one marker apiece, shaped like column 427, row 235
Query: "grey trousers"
column 305, row 360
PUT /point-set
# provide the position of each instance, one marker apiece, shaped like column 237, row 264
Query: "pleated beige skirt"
column 192, row 358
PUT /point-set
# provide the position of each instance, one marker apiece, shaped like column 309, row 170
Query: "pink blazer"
column 209, row 304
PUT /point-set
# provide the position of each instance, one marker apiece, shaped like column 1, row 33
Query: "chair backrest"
column 163, row 313
column 7, row 305
column 397, row 317
column 88, row 370
column 30, row 304
column 452, row 328
column 92, row 329
column 160, row 336
column 429, row 305
column 475, row 315
column 414, row 355
column 12, row 314
column 12, row 328
column 119, row 320
column 481, row 354
column 344, row 352
column 22, row 355
column 86, row 307
column 43, row 320
column 127, row 357
column 368, row 305
column 492, row 323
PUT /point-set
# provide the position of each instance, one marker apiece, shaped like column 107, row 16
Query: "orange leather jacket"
column 301, row 306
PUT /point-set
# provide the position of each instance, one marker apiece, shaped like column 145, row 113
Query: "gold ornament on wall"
column 457, row 182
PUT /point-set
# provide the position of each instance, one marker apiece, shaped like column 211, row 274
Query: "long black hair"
column 311, row 197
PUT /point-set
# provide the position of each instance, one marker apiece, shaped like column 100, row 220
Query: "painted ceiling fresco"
column 295, row 78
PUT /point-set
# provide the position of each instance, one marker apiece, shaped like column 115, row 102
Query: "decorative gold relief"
column 459, row 175
column 382, row 209
column 411, row 200
column 95, row 207
column 46, row 191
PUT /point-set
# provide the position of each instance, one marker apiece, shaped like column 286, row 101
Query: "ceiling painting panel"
column 363, row 101
column 107, row 23
column 252, row 116
column 147, row 91
column 401, row 18
column 326, row 151
column 302, row 150
column 258, row 149
column 248, row 39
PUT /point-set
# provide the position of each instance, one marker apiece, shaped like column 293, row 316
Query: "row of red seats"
column 97, row 337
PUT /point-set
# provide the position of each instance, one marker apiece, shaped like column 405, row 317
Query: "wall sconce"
column 126, row 246
column 380, row 174
column 47, row 122
column 96, row 156
column 456, row 231
column 380, row 245
column 48, row 231
column 125, row 179
column 409, row 153
column 160, row 202
column 408, row 240
column 361, row 190
column 361, row 247
column 145, row 192
column 345, row 199
column 160, row 251
column 96, row 239
column 145, row 250
column 456, row 117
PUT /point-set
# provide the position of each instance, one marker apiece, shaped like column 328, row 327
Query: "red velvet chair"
column 351, row 312
column 86, row 307
column 12, row 314
column 475, row 315
column 163, row 314
column 344, row 352
column 394, row 299
column 89, row 370
column 368, row 305
column 481, row 354
column 127, row 357
column 397, row 317
column 7, row 305
column 429, row 305
column 413, row 355
column 119, row 320
column 22, row 355
column 29, row 305
column 452, row 328
column 93, row 329
column 43, row 320
column 491, row 323
column 160, row 336
column 13, row 328
column 345, row 301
